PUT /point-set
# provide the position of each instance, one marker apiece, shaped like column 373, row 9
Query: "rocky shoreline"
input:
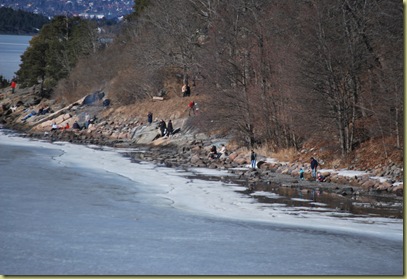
column 341, row 192
column 189, row 149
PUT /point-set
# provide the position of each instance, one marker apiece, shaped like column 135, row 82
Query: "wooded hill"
column 276, row 74
column 20, row 22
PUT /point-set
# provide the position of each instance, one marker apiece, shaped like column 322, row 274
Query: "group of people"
column 88, row 121
column 166, row 129
column 315, row 175
column 55, row 126
column 186, row 90
column 215, row 154
column 44, row 110
column 75, row 125
column 41, row 111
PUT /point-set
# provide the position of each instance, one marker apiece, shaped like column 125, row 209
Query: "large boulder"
column 240, row 159
column 60, row 120
column 94, row 97
column 144, row 134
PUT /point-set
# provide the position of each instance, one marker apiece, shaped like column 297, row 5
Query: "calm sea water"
column 11, row 48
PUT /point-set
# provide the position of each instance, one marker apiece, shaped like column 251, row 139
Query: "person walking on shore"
column 191, row 106
column 253, row 158
column 301, row 173
column 314, row 166
column 13, row 86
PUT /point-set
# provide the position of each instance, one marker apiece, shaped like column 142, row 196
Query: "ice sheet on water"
column 213, row 198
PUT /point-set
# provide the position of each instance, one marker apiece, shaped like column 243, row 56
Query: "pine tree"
column 54, row 52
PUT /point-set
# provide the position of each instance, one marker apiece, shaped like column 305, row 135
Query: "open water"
column 11, row 48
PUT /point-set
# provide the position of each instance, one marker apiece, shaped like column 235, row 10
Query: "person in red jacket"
column 191, row 106
column 13, row 86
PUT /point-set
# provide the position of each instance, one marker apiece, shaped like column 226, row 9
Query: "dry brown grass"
column 379, row 152
column 367, row 156
column 285, row 155
column 172, row 107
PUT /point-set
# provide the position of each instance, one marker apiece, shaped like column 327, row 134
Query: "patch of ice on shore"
column 266, row 194
column 299, row 199
column 211, row 172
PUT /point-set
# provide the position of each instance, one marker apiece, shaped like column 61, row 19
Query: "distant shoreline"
column 19, row 34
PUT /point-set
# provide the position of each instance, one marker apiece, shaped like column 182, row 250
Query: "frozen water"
column 71, row 209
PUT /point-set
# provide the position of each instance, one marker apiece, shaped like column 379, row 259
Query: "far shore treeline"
column 20, row 22
column 279, row 74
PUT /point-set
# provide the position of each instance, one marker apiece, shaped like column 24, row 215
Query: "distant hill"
column 20, row 22
column 109, row 9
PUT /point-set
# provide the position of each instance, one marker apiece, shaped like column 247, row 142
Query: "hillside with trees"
column 54, row 52
column 275, row 74
column 20, row 22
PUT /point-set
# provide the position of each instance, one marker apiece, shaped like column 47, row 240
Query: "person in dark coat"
column 170, row 129
column 186, row 90
column 314, row 166
column 163, row 127
column 150, row 118
column 76, row 126
column 213, row 154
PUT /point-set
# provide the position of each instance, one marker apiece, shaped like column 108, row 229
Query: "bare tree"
column 273, row 72
column 338, row 63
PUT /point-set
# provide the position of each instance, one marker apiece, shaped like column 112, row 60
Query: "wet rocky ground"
column 269, row 187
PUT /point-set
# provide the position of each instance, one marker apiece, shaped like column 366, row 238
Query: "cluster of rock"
column 366, row 181
column 195, row 154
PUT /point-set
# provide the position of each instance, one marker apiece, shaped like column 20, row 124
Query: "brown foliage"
column 277, row 74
